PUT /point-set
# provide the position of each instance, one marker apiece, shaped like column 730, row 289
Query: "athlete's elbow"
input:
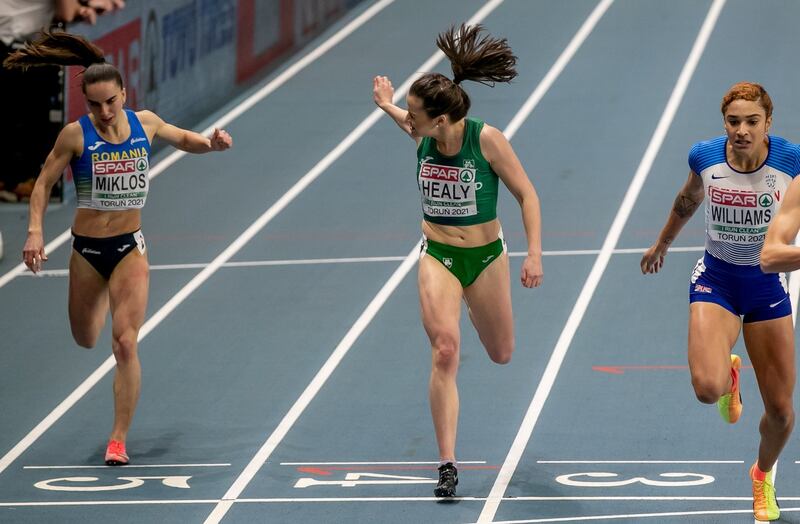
column 767, row 260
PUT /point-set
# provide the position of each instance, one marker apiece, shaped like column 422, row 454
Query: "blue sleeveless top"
column 112, row 177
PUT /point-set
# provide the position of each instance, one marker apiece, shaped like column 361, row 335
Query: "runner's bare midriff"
column 462, row 236
column 101, row 224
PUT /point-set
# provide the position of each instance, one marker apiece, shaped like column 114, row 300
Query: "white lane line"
column 576, row 316
column 305, row 500
column 652, row 498
column 629, row 516
column 328, row 500
column 313, row 388
column 255, row 263
column 105, row 503
column 21, row 269
column 129, row 466
column 375, row 463
column 234, row 113
column 223, row 257
column 558, row 67
column 360, row 260
column 640, row 461
column 638, row 250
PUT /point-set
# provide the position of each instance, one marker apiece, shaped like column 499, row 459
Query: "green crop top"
column 459, row 190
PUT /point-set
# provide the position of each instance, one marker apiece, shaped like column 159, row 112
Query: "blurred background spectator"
column 31, row 102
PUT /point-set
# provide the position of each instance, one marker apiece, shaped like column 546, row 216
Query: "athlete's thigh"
column 88, row 298
column 128, row 289
column 440, row 295
column 713, row 331
column 770, row 345
column 489, row 301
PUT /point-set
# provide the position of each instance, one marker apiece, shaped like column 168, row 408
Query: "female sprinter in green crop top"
column 459, row 163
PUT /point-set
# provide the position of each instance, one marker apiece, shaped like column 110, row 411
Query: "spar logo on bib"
column 447, row 191
column 739, row 217
column 731, row 197
column 120, row 166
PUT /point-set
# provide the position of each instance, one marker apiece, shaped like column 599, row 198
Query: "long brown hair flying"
column 474, row 55
column 59, row 48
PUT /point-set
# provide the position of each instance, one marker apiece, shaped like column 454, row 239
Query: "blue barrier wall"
column 184, row 58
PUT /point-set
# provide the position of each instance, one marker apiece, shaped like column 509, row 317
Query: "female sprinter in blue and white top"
column 744, row 176
column 459, row 163
column 109, row 151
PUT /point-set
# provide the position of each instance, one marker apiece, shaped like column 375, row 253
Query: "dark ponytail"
column 474, row 56
column 64, row 49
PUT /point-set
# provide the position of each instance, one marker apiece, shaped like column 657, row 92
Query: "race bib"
column 119, row 184
column 739, row 217
column 447, row 191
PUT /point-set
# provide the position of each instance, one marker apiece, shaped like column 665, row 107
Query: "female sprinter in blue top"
column 744, row 174
column 459, row 162
column 109, row 152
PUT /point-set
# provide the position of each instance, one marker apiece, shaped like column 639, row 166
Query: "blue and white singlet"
column 112, row 177
column 740, row 206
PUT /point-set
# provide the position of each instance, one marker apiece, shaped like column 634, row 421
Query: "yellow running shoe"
column 765, row 507
column 730, row 404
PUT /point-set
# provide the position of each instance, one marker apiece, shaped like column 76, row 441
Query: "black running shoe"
column 448, row 480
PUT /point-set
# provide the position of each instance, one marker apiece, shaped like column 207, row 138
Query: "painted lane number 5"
column 63, row 484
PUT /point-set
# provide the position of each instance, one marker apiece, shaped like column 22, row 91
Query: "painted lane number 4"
column 364, row 479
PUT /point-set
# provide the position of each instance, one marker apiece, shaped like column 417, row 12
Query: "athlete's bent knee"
column 504, row 358
column 83, row 339
column 501, row 354
column 84, row 342
column 708, row 391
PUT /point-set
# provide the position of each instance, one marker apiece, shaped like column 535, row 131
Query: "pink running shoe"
column 115, row 453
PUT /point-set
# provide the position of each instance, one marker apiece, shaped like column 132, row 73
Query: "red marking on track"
column 315, row 471
column 620, row 370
